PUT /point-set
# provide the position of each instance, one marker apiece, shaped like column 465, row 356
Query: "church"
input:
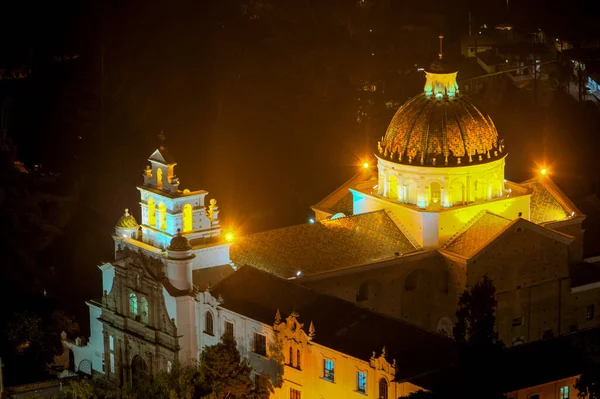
column 392, row 248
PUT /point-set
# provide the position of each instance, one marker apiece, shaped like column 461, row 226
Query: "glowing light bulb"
column 544, row 171
column 366, row 165
column 298, row 273
column 229, row 237
column 311, row 220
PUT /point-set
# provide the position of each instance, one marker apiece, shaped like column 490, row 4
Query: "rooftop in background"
column 339, row 325
column 548, row 202
column 324, row 245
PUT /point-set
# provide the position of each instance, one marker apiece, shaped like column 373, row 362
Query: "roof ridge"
column 308, row 223
column 403, row 229
column 467, row 226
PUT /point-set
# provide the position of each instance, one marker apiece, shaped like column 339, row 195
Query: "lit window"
column 294, row 394
column 589, row 312
column 329, row 370
column 111, row 352
column 144, row 309
column 517, row 322
column 133, row 304
column 228, row 328
column 361, row 382
column 208, row 323
column 565, row 392
column 187, row 218
column 169, row 366
column 260, row 344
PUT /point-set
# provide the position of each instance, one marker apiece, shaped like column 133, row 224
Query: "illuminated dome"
column 439, row 150
column 179, row 243
column 440, row 127
column 127, row 221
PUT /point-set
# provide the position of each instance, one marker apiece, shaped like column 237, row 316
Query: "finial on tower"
column 162, row 138
column 126, row 211
column 441, row 54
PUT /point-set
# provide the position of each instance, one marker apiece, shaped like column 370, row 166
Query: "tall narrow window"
column 260, row 344
column 291, row 356
column 162, row 214
column 589, row 312
column 187, row 218
column 329, row 370
column 565, row 392
column 294, row 394
column 159, row 178
column 111, row 351
column 298, row 358
column 151, row 212
column 361, row 382
column 133, row 304
column 208, row 323
column 144, row 309
column 228, row 329
column 383, row 389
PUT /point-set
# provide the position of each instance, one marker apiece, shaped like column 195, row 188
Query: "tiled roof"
column 210, row 276
column 476, row 234
column 322, row 246
column 162, row 155
column 339, row 325
column 545, row 201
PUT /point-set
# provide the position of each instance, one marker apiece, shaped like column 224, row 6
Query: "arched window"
column 169, row 366
column 162, row 214
column 393, row 191
column 298, row 358
column 159, row 176
column 208, row 323
column 133, row 304
column 151, row 212
column 412, row 281
column 144, row 309
column 368, row 290
column 291, row 356
column 435, row 193
column 139, row 369
column 187, row 218
column 383, row 389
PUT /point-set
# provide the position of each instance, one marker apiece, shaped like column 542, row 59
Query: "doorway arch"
column 139, row 369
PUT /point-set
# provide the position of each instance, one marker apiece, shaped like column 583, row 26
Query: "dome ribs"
column 437, row 131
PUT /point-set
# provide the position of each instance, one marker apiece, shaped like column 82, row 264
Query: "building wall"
column 527, row 269
column 551, row 390
column 308, row 377
column 421, row 289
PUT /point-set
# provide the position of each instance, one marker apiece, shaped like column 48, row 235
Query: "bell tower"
column 166, row 209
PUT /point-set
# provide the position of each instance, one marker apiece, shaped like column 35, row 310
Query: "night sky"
column 257, row 99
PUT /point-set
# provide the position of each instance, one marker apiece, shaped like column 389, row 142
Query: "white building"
column 158, row 308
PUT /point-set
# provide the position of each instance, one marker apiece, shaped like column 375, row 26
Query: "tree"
column 480, row 348
column 226, row 375
column 476, row 319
